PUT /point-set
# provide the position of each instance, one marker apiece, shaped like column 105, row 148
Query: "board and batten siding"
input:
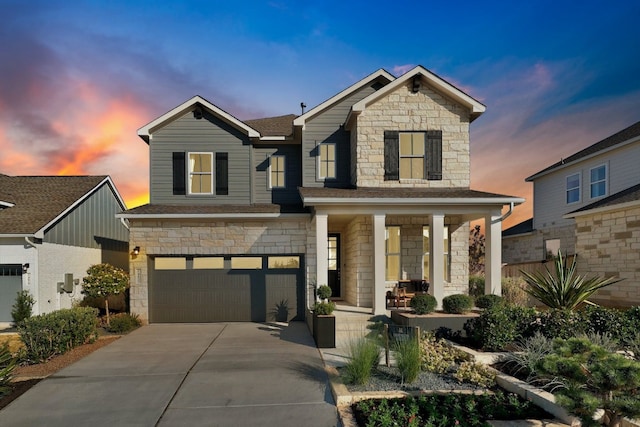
column 327, row 127
column 92, row 224
column 549, row 191
column 209, row 134
column 293, row 175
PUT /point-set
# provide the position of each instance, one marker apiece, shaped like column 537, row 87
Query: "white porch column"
column 379, row 293
column 322, row 251
column 493, row 255
column 436, row 257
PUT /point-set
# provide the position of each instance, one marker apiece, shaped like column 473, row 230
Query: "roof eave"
column 314, row 201
column 261, row 215
column 603, row 209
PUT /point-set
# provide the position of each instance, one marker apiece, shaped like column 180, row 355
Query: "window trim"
column 394, row 254
column 579, row 188
column 284, row 171
column 605, row 180
column 190, row 173
column 319, row 162
column 412, row 156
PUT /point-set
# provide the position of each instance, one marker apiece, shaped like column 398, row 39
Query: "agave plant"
column 563, row 288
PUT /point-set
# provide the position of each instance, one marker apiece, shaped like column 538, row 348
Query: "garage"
column 226, row 288
column 10, row 285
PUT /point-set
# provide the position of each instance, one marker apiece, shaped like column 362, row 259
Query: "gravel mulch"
column 384, row 378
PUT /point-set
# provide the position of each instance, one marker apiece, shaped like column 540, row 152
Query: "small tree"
column 594, row 379
column 104, row 280
column 22, row 309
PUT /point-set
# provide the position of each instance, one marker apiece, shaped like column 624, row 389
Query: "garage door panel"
column 224, row 295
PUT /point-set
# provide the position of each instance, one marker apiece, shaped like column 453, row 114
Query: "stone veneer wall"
column 608, row 244
column 530, row 247
column 459, row 250
column 358, row 252
column 406, row 111
column 216, row 237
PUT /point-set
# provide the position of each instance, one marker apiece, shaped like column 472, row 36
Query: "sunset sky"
column 78, row 78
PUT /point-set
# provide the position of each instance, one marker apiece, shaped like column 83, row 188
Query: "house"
column 359, row 192
column 52, row 228
column 588, row 204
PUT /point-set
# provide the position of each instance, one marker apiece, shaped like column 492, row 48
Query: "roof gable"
column 433, row 80
column 273, row 126
column 626, row 135
column 380, row 74
column 40, row 201
column 146, row 131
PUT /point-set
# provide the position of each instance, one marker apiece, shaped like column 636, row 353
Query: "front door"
column 334, row 265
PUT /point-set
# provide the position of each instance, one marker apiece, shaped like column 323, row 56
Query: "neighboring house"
column 588, row 204
column 365, row 189
column 52, row 228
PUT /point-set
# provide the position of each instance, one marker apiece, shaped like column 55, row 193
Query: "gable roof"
column 274, row 126
column 379, row 74
column 40, row 201
column 524, row 227
column 147, row 130
column 627, row 135
column 628, row 197
column 433, row 80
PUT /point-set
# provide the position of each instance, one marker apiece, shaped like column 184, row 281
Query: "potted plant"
column 324, row 322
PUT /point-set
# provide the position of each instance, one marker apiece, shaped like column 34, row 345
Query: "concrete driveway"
column 234, row 374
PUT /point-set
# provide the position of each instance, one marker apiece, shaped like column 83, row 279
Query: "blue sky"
column 78, row 78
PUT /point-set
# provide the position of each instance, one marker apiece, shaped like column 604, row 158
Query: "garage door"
column 10, row 285
column 226, row 289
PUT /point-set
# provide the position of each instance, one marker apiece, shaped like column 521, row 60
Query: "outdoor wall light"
column 25, row 267
column 136, row 250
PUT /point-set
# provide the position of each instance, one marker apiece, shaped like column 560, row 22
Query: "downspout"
column 506, row 214
column 29, row 284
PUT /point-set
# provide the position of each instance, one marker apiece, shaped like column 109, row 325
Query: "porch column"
column 322, row 251
column 493, row 255
column 379, row 264
column 436, row 257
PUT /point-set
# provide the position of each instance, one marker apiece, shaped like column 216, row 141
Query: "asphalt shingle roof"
column 394, row 193
column 39, row 199
column 153, row 209
column 525, row 226
column 273, row 126
column 631, row 194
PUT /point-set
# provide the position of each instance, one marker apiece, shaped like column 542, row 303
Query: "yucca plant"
column 563, row 288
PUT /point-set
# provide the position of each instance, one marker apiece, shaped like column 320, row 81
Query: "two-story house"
column 588, row 204
column 367, row 188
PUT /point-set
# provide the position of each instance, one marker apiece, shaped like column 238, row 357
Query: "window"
column 327, row 160
column 551, row 248
column 208, row 263
column 598, row 181
column 573, row 188
column 283, row 262
column 412, row 155
column 276, row 172
column 175, row 263
column 425, row 256
column 222, row 174
column 392, row 253
column 332, row 251
column 246, row 263
column 200, row 173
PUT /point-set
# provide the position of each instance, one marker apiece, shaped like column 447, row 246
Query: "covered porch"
column 367, row 240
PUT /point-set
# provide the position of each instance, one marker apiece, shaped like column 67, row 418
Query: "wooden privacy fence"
column 513, row 270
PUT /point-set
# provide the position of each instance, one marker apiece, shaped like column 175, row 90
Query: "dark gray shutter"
column 434, row 155
column 222, row 174
column 391, row 155
column 179, row 173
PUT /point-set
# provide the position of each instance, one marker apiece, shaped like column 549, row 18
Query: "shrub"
column 103, row 280
column 476, row 285
column 489, row 301
column 57, row 332
column 606, row 321
column 438, row 356
column 423, row 303
column 558, row 323
column 7, row 364
column 324, row 292
column 475, row 373
column 407, row 358
column 457, row 304
column 364, row 355
column 513, row 291
column 123, row 322
column 528, row 352
column 324, row 308
column 22, row 308
column 500, row 326
column 563, row 288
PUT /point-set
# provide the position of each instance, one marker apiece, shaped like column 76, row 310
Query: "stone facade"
column 608, row 245
column 357, row 280
column 530, row 247
column 406, row 111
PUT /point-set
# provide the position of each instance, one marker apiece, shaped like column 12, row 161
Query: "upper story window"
column 200, row 173
column 412, row 155
column 573, row 188
column 598, row 181
column 277, row 172
column 194, row 173
column 327, row 160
